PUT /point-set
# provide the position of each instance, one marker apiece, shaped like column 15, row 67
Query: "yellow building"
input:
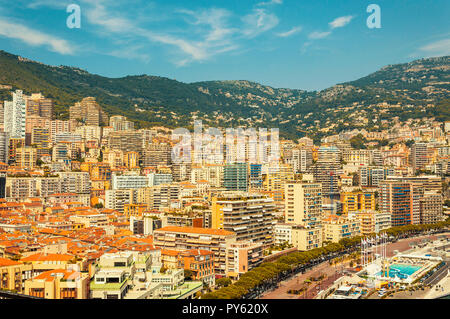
column 131, row 159
column 26, row 157
column 306, row 238
column 42, row 262
column 303, row 204
column 357, row 201
column 373, row 221
column 336, row 228
column 115, row 158
column 278, row 176
column 58, row 284
column 12, row 274
column 242, row 257
column 135, row 210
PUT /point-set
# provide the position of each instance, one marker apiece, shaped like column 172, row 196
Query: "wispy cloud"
column 437, row 48
column 291, row 32
column 340, row 22
column 318, row 35
column 33, row 37
column 268, row 3
column 336, row 23
column 131, row 53
column 35, row 4
column 259, row 21
column 205, row 33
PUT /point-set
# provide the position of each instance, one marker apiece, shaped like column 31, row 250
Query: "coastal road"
column 332, row 272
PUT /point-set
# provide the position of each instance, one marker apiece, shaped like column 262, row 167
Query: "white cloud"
column 319, row 35
column 336, row 23
column 258, row 22
column 205, row 34
column 214, row 38
column 33, row 37
column 216, row 19
column 437, row 48
column 59, row 4
column 291, row 32
column 270, row 3
column 340, row 22
column 130, row 53
column 99, row 15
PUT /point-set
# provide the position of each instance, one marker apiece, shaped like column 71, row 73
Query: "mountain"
column 417, row 87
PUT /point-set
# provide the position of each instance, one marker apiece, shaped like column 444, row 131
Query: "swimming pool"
column 402, row 271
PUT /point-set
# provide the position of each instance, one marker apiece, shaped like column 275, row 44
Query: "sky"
column 297, row 44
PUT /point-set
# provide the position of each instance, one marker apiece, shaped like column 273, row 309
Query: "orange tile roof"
column 7, row 262
column 50, row 275
column 196, row 252
column 196, row 230
column 48, row 257
column 168, row 252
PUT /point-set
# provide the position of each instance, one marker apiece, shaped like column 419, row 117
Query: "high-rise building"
column 336, row 228
column 256, row 178
column 160, row 196
column 276, row 177
column 58, row 126
column 419, row 156
column 431, row 208
column 120, row 123
column 212, row 173
column 37, row 105
column 327, row 170
column 117, row 198
column 303, row 204
column 14, row 115
column 373, row 222
column 26, row 157
column 183, row 238
column 14, row 144
column 242, row 257
column 181, row 171
column 235, row 177
column 2, row 116
column 40, row 138
column 126, row 141
column 157, row 154
column 4, row 147
column 301, row 159
column 401, row 200
column 357, row 201
column 249, row 216
column 89, row 112
column 370, row 176
column 128, row 181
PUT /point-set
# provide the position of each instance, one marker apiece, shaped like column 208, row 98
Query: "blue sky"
column 283, row 43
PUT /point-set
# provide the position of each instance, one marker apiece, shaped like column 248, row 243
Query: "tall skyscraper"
column 235, row 177
column 89, row 112
column 14, row 116
column 4, row 147
column 37, row 105
column 249, row 216
column 419, row 156
column 120, row 123
column 397, row 198
column 303, row 204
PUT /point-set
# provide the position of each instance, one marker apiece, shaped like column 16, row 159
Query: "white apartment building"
column 14, row 115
